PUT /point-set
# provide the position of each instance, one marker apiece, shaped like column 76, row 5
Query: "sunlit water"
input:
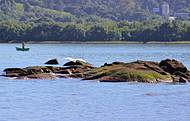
column 76, row 100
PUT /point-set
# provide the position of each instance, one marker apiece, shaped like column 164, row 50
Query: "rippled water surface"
column 76, row 100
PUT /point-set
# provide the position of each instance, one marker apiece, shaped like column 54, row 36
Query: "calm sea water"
column 76, row 100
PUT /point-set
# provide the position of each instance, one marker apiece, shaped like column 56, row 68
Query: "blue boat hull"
column 22, row 49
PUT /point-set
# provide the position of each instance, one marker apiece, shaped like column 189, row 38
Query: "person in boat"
column 23, row 45
column 22, row 48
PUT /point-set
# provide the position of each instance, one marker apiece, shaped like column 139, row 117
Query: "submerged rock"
column 52, row 62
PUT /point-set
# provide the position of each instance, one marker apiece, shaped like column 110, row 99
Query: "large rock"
column 172, row 66
column 139, row 71
column 52, row 62
column 170, row 71
column 28, row 71
column 15, row 72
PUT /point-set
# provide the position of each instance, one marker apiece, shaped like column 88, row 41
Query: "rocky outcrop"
column 15, row 72
column 52, row 62
column 73, row 70
column 168, row 71
column 139, row 71
column 171, row 71
column 172, row 66
column 29, row 72
column 178, row 71
column 78, row 63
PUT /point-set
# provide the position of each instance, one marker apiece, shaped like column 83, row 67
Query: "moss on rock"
column 136, row 71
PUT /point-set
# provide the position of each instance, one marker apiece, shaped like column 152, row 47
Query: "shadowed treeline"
column 106, row 31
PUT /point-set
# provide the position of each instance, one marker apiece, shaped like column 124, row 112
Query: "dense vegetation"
column 87, row 10
column 112, row 9
column 124, row 31
column 83, row 20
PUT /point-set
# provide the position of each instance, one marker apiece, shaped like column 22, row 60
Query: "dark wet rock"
column 15, row 71
column 187, row 75
column 74, row 63
column 52, row 62
column 12, row 75
column 183, row 80
column 118, row 63
column 65, row 71
column 37, row 70
column 28, row 72
column 180, row 74
column 175, row 79
column 179, row 79
column 46, row 72
column 172, row 66
column 75, row 67
column 78, row 63
column 176, row 69
column 78, row 68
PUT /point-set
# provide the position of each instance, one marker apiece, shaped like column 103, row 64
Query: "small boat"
column 22, row 48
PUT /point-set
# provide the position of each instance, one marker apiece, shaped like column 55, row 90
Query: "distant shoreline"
column 99, row 42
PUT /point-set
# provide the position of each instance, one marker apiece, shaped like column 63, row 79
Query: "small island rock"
column 167, row 71
column 52, row 62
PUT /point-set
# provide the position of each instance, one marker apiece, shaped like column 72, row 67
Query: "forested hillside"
column 117, row 9
column 89, row 20
column 89, row 10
